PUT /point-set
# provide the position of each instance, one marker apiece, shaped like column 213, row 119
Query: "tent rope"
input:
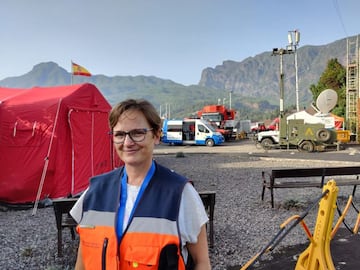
column 46, row 161
column 72, row 152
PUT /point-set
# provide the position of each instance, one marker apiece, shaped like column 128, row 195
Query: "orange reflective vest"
column 151, row 239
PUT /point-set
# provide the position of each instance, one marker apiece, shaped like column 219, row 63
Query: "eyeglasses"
column 136, row 135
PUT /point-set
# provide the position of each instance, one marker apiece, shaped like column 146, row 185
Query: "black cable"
column 353, row 205
column 299, row 219
column 340, row 214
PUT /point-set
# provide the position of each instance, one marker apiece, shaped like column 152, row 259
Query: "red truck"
column 260, row 126
column 221, row 116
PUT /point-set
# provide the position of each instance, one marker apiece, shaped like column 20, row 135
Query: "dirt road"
column 351, row 153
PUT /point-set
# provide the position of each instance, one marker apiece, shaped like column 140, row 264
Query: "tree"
column 333, row 77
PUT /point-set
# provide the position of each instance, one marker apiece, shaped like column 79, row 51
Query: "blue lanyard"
column 123, row 198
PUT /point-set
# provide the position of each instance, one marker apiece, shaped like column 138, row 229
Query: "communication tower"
column 352, row 85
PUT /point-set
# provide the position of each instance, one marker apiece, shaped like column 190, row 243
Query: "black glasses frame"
column 131, row 133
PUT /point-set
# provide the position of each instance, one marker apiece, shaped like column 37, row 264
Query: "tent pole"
column 92, row 143
column 71, row 74
column 46, row 161
column 72, row 152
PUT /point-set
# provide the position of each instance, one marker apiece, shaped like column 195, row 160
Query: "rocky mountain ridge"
column 259, row 76
column 252, row 83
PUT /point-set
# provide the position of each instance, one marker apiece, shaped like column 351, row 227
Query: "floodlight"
column 297, row 36
column 290, row 38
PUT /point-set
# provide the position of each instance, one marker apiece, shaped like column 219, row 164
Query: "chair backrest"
column 307, row 172
column 62, row 206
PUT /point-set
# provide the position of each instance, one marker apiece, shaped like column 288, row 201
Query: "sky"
column 168, row 39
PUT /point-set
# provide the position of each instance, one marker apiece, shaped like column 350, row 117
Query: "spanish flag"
column 79, row 70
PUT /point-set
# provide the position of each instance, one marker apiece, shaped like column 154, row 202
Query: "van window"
column 202, row 128
column 213, row 117
column 174, row 128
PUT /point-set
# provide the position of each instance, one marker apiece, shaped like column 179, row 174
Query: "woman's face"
column 135, row 153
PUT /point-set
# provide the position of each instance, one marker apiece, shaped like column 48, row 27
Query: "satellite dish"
column 327, row 100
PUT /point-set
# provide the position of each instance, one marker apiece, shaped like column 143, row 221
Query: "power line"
column 337, row 9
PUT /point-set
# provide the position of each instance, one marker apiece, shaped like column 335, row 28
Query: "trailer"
column 297, row 134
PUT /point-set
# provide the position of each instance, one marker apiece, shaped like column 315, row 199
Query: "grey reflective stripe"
column 98, row 218
column 153, row 225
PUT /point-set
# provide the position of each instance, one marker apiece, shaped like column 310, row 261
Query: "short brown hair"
column 141, row 105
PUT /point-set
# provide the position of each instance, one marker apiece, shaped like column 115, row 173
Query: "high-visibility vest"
column 151, row 239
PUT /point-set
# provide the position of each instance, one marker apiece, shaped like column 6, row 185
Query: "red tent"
column 52, row 139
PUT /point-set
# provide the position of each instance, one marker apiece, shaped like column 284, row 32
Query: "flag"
column 79, row 70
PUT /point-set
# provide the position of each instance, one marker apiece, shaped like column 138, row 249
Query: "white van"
column 190, row 131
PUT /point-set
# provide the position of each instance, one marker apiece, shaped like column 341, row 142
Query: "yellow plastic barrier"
column 241, row 135
column 318, row 256
column 343, row 136
column 285, row 228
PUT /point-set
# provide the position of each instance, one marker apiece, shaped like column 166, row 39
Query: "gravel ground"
column 243, row 223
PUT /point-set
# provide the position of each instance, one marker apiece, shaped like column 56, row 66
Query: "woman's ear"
column 157, row 137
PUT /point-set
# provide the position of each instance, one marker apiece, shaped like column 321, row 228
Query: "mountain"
column 259, row 76
column 252, row 84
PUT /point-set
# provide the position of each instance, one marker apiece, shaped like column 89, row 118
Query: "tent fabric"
column 339, row 121
column 55, row 134
column 308, row 118
column 329, row 120
column 6, row 93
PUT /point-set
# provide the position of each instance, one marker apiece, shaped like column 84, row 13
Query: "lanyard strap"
column 123, row 198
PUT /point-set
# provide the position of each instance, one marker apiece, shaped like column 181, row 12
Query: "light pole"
column 230, row 99
column 281, row 52
column 294, row 39
column 168, row 110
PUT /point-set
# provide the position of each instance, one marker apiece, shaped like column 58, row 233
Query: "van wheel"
column 323, row 135
column 209, row 142
column 306, row 146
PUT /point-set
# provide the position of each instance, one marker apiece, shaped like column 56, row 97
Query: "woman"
column 141, row 215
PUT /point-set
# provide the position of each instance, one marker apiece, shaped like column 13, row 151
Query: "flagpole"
column 71, row 73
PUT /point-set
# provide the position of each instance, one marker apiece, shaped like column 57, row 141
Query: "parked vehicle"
column 244, row 126
column 274, row 125
column 297, row 134
column 190, row 131
column 221, row 116
column 260, row 126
